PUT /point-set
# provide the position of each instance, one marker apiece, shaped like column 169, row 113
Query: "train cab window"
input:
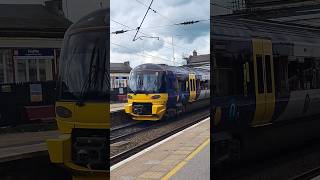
column 260, row 74
column 268, row 73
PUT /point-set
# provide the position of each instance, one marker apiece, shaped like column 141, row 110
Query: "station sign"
column 35, row 92
column 33, row 53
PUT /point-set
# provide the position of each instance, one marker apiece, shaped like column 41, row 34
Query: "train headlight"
column 129, row 97
column 155, row 97
column 63, row 112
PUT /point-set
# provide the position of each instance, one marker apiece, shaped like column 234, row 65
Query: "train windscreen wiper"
column 87, row 83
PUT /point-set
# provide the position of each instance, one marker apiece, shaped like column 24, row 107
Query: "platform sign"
column 33, row 53
column 120, row 90
column 35, row 92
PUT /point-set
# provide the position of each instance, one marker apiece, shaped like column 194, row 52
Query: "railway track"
column 124, row 125
column 127, row 130
column 179, row 124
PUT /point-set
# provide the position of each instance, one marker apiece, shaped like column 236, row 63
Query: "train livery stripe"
column 260, row 105
column 264, row 81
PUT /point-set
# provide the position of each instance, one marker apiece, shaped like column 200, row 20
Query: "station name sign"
column 33, row 53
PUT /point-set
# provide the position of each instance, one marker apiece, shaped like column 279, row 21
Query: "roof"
column 31, row 20
column 199, row 58
column 119, row 68
column 94, row 19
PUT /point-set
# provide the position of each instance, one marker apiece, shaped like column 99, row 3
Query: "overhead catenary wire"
column 144, row 17
column 160, row 26
column 182, row 50
column 168, row 19
column 142, row 32
column 142, row 54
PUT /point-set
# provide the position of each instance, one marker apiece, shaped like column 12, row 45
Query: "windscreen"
column 146, row 82
column 84, row 68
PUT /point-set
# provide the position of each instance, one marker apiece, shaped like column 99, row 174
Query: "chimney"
column 194, row 53
column 55, row 6
column 127, row 63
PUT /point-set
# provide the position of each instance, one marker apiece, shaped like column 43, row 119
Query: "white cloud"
column 185, row 38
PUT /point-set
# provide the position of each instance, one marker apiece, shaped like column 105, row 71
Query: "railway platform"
column 116, row 107
column 20, row 145
column 15, row 146
column 185, row 154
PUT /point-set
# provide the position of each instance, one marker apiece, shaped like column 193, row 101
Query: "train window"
column 260, row 74
column 182, row 85
column 281, row 76
column 204, row 85
column 304, row 74
column 194, row 84
column 177, row 86
column 268, row 73
column 228, row 74
column 198, row 84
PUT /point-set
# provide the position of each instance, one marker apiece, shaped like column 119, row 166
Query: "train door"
column 192, row 87
column 264, row 81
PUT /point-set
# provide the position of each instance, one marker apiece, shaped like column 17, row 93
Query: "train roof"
column 175, row 69
column 96, row 19
column 287, row 38
column 276, row 31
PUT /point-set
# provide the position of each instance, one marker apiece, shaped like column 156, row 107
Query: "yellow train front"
column 162, row 91
column 82, row 108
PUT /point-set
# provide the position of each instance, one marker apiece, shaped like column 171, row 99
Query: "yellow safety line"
column 188, row 158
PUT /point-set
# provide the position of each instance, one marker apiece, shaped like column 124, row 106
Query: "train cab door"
column 264, row 81
column 192, row 87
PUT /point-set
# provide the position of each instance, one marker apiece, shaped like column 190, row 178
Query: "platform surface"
column 172, row 158
column 117, row 107
column 22, row 145
column 196, row 168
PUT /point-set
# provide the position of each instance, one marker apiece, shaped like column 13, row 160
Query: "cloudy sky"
column 151, row 50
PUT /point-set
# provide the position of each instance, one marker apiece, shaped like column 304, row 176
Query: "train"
column 159, row 91
column 265, row 96
column 82, row 99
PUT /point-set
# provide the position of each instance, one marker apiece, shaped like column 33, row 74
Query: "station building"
column 198, row 60
column 31, row 37
column 30, row 42
column 119, row 76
